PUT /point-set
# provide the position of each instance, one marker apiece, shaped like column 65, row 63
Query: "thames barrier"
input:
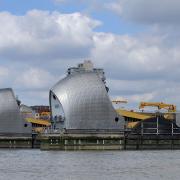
column 81, row 116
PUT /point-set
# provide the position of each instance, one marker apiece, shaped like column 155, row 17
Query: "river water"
column 89, row 165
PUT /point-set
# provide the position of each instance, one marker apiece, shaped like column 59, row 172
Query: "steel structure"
column 80, row 101
column 11, row 121
column 159, row 105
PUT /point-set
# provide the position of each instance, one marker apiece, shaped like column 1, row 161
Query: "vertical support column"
column 125, row 142
column 172, row 125
column 142, row 128
column 157, row 125
column 172, row 134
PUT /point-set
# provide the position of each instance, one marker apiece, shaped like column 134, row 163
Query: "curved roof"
column 86, row 103
column 10, row 117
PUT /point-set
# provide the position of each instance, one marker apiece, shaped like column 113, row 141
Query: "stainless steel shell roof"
column 10, row 117
column 86, row 103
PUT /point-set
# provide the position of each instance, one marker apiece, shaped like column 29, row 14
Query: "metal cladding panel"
column 86, row 103
column 10, row 117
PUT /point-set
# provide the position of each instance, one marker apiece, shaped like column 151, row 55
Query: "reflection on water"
column 89, row 165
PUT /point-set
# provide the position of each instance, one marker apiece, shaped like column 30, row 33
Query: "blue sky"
column 110, row 21
column 134, row 41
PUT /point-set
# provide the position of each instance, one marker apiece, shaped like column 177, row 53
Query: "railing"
column 158, row 130
column 84, row 131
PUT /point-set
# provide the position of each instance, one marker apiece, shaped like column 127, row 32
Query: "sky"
column 136, row 42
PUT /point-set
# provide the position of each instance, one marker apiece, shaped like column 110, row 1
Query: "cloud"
column 41, row 33
column 60, row 1
column 136, row 91
column 37, row 48
column 32, row 85
column 147, row 12
column 141, row 58
column 129, row 87
column 4, row 72
column 33, row 96
column 139, row 68
column 35, row 78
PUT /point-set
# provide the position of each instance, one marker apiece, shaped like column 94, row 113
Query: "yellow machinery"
column 131, row 114
column 135, row 117
column 45, row 114
column 38, row 125
column 40, row 122
column 159, row 105
column 171, row 108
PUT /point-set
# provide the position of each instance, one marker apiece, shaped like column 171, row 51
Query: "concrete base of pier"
column 107, row 142
column 15, row 142
column 92, row 141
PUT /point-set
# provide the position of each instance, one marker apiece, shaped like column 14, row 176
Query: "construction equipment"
column 133, row 115
column 134, row 118
column 159, row 105
column 39, row 122
column 38, row 125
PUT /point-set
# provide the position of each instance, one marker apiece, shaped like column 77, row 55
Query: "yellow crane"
column 171, row 108
column 136, row 117
column 159, row 105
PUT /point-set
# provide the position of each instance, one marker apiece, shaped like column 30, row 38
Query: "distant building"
column 41, row 112
column 40, row 108
column 80, row 101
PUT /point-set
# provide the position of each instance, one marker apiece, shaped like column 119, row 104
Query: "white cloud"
column 37, row 46
column 35, row 78
column 154, row 11
column 4, row 72
column 141, row 68
column 146, row 90
column 44, row 34
column 40, row 46
column 127, row 57
column 34, row 97
column 115, row 6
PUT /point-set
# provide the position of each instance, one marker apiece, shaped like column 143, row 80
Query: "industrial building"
column 80, row 101
column 11, row 120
